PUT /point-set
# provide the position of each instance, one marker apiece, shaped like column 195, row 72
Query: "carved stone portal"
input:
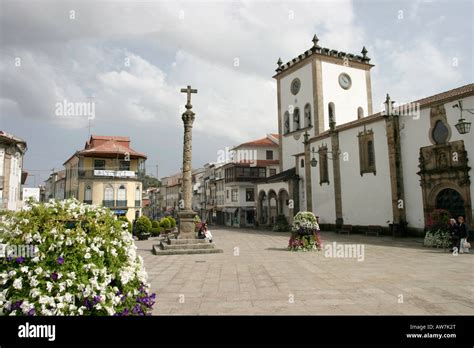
column 444, row 169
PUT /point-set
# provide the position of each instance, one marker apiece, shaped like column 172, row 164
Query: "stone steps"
column 185, row 246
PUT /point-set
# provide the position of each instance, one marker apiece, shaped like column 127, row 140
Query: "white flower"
column 87, row 256
column 24, row 269
column 49, row 286
column 17, row 284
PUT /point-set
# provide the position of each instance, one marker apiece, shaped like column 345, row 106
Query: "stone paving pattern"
column 265, row 278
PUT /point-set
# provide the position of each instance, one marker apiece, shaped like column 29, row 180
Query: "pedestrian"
column 453, row 230
column 463, row 235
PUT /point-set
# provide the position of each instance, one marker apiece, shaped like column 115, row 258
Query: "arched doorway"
column 451, row 200
column 262, row 208
column 272, row 207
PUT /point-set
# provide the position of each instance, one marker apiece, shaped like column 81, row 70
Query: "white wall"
column 323, row 195
column 291, row 146
column 346, row 101
column 365, row 199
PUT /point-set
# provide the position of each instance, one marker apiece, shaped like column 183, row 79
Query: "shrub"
column 129, row 224
column 437, row 239
column 156, row 231
column 172, row 221
column 84, row 263
column 142, row 227
column 281, row 224
column 438, row 234
column 155, row 224
column 165, row 223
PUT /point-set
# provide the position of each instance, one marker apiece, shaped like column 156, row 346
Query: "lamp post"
column 463, row 126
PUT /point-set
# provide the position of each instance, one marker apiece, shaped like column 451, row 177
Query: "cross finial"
column 364, row 52
column 188, row 91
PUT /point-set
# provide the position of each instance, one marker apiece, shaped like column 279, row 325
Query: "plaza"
column 257, row 275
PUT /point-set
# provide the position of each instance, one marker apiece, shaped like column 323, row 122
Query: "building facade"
column 350, row 165
column 107, row 172
column 251, row 161
column 55, row 186
column 12, row 176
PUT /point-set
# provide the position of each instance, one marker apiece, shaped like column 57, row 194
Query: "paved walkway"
column 257, row 275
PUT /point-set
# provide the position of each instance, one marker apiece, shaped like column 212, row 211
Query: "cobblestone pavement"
column 257, row 275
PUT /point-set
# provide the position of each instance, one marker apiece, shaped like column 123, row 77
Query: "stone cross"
column 188, row 91
column 186, row 216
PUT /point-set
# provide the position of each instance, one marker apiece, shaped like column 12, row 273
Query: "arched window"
column 296, row 119
column 302, row 163
column 108, row 196
column 332, row 113
column 370, row 153
column 307, row 115
column 122, row 196
column 360, row 112
column 286, row 126
column 88, row 194
column 138, row 197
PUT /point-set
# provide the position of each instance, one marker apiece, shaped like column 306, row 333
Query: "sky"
column 131, row 58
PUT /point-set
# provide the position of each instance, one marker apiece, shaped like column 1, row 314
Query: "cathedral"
column 353, row 167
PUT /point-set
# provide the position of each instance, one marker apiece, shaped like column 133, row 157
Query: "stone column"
column 186, row 216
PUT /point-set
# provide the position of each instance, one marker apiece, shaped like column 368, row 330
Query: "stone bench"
column 373, row 229
column 345, row 229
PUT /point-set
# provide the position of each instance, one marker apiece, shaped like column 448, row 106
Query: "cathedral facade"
column 351, row 166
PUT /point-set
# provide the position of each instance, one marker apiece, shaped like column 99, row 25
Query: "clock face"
column 295, row 86
column 345, row 81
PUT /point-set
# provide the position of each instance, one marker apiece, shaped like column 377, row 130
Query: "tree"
column 149, row 181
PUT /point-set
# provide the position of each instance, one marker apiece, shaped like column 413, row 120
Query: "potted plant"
column 305, row 233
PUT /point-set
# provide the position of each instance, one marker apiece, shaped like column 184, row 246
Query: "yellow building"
column 107, row 172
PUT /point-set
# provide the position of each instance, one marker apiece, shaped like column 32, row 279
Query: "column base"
column 186, row 224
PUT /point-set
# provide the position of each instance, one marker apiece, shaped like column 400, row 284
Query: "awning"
column 230, row 210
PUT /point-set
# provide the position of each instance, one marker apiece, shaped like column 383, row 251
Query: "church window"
column 296, row 119
column 323, row 165
column 440, row 133
column 366, row 152
column 286, row 123
column 360, row 112
column 332, row 113
column 307, row 115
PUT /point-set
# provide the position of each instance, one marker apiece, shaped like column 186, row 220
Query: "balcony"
column 88, row 201
column 120, row 203
column 108, row 204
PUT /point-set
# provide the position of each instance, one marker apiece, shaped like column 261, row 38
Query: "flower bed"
column 305, row 233
column 85, row 263
column 438, row 235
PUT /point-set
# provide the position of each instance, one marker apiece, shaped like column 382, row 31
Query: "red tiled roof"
column 109, row 146
column 260, row 142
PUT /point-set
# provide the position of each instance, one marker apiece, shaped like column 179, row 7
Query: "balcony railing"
column 138, row 203
column 120, row 203
column 108, row 204
column 91, row 173
column 88, row 201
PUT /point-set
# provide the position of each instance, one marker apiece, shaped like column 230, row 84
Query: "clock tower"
column 319, row 87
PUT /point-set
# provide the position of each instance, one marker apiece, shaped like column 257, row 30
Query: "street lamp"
column 463, row 126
